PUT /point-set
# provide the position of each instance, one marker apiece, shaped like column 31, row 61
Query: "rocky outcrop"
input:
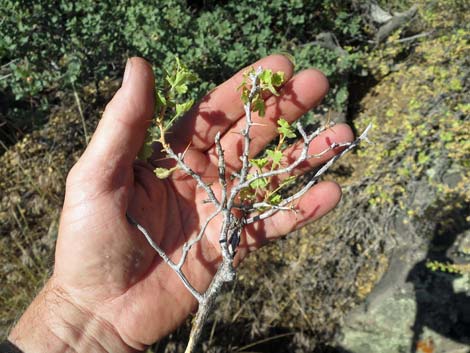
column 413, row 308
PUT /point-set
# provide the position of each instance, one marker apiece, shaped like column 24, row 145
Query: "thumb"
column 121, row 131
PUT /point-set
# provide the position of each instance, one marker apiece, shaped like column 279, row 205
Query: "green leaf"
column 446, row 136
column 259, row 162
column 278, row 79
column 259, row 183
column 275, row 156
column 163, row 173
column 259, row 106
column 244, row 96
column 266, row 77
column 160, row 99
column 269, row 80
column 275, row 199
column 184, row 107
column 180, row 77
column 181, row 88
column 170, row 79
column 285, row 129
column 271, row 89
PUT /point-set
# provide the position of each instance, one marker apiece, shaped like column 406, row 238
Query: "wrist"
column 55, row 323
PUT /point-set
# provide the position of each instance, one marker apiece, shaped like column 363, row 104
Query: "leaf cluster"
column 171, row 102
column 447, row 267
column 269, row 189
column 268, row 82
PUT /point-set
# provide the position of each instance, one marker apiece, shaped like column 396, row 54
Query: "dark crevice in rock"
column 359, row 87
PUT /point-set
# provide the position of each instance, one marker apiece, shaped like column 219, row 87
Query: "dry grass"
column 32, row 179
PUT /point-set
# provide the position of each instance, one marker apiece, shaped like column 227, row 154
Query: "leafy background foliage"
column 50, row 45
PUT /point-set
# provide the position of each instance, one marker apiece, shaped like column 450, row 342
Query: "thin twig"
column 188, row 245
column 406, row 39
column 179, row 160
column 248, row 123
column 221, row 169
column 80, row 111
column 416, row 36
column 5, row 76
column 264, row 340
column 9, row 63
column 165, row 258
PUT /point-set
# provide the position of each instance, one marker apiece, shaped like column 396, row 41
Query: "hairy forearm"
column 54, row 323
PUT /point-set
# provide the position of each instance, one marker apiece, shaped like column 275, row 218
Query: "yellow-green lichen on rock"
column 420, row 111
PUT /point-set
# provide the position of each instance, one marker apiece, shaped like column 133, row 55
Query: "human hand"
column 110, row 291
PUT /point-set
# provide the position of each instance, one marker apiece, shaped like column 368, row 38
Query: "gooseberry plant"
column 253, row 193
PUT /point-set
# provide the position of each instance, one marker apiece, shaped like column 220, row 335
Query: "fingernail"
column 127, row 71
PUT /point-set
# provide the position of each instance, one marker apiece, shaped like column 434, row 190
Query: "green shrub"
column 48, row 45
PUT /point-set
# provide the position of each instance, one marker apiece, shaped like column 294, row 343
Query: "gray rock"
column 412, row 308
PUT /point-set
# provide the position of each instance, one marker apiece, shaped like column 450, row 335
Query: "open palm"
column 104, row 264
